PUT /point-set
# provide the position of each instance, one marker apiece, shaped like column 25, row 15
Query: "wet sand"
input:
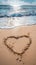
column 7, row 57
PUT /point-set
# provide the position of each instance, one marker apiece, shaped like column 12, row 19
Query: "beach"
column 6, row 55
column 17, row 32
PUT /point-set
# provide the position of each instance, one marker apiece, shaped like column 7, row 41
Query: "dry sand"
column 7, row 57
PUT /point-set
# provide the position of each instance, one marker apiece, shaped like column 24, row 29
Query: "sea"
column 12, row 16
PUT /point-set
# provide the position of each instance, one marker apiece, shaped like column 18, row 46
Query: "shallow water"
column 12, row 16
column 17, row 21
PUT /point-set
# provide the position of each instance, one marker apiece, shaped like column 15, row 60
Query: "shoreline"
column 13, row 27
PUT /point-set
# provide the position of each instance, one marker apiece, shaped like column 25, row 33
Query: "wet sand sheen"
column 7, row 57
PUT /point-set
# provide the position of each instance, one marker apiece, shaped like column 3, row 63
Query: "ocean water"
column 11, row 16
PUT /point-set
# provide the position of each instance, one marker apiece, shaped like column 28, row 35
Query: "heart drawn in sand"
column 14, row 43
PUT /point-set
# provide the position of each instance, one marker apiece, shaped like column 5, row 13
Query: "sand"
column 7, row 57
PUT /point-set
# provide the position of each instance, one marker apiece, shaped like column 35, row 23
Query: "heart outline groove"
column 26, row 48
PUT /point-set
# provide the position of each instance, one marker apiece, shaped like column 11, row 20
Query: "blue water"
column 11, row 16
column 5, row 11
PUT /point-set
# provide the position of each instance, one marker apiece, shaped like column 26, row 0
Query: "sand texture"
column 18, row 46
